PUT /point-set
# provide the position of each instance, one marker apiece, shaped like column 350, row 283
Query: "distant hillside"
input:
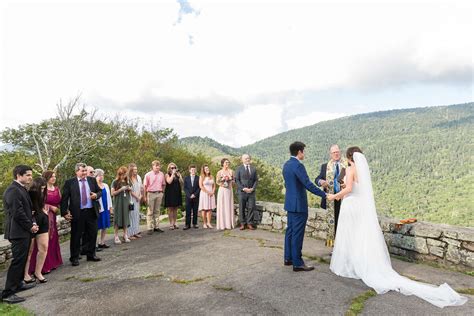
column 421, row 159
column 208, row 146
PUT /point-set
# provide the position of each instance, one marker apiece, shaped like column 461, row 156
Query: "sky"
column 235, row 71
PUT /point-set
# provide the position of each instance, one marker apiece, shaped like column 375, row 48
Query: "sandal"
column 176, row 227
column 210, row 226
column 204, row 226
column 171, row 227
column 117, row 241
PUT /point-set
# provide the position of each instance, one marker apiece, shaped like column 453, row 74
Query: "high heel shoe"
column 31, row 280
column 44, row 280
column 210, row 226
column 204, row 226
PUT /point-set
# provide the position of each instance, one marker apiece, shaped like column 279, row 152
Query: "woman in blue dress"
column 106, row 207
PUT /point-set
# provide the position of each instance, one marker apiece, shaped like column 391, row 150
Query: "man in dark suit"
column 80, row 206
column 330, row 179
column 247, row 180
column 296, row 204
column 191, row 190
column 19, row 229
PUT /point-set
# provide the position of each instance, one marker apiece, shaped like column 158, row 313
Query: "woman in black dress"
column 173, row 197
column 38, row 195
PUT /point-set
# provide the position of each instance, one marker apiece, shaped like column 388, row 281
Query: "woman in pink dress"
column 207, row 198
column 225, row 197
column 53, row 199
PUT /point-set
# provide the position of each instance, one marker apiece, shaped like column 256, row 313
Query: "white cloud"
column 121, row 51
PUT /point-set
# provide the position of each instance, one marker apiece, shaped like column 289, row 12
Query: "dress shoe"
column 79, row 258
column 186, row 227
column 102, row 246
column 303, row 268
column 32, row 280
column 98, row 249
column 242, row 227
column 195, row 226
column 94, row 259
column 13, row 299
column 44, row 280
column 288, row 263
column 74, row 262
column 158, row 230
column 250, row 227
column 23, row 286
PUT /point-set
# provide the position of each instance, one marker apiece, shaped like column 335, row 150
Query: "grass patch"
column 13, row 309
column 357, row 304
column 223, row 288
column 187, row 282
column 316, row 258
column 153, row 276
column 471, row 273
column 85, row 280
column 469, row 291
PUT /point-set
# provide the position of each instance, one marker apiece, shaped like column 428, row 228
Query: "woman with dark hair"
column 173, row 195
column 225, row 196
column 360, row 251
column 121, row 203
column 38, row 192
column 207, row 198
column 53, row 199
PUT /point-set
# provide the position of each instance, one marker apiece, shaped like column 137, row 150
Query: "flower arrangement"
column 226, row 180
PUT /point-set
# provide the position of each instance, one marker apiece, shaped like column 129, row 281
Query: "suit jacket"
column 296, row 184
column 71, row 197
column 322, row 176
column 191, row 189
column 243, row 180
column 18, row 214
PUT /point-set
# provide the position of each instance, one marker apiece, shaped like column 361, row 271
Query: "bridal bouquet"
column 226, row 180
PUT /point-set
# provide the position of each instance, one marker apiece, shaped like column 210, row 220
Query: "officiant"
column 330, row 179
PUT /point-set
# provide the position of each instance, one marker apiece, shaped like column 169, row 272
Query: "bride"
column 360, row 251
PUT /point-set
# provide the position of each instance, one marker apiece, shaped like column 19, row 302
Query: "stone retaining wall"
column 64, row 228
column 443, row 244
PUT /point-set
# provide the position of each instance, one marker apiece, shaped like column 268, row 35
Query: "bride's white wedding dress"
column 360, row 251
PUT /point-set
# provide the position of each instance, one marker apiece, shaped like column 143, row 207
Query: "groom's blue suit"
column 296, row 204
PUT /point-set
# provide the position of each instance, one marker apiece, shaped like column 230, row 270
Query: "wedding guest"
column 19, row 227
column 207, row 198
column 121, row 204
column 38, row 194
column 154, row 185
column 246, row 179
column 82, row 210
column 192, row 191
column 106, row 208
column 225, row 196
column 136, row 192
column 53, row 199
column 90, row 171
column 173, row 197
column 329, row 179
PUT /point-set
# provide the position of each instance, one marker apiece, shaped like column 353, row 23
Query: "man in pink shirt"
column 154, row 186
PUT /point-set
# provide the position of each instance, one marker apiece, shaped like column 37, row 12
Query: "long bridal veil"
column 370, row 259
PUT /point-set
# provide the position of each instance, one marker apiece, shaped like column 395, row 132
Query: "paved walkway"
column 203, row 271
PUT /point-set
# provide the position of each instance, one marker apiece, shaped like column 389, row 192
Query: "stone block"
column 397, row 251
column 452, row 242
column 450, row 233
column 453, row 255
column 3, row 258
column 4, row 245
column 435, row 242
column 267, row 219
column 467, row 258
column 277, row 224
column 437, row 251
column 417, row 244
column 425, row 230
column 466, row 234
column 468, row 245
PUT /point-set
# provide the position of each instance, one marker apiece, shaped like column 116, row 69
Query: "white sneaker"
column 117, row 241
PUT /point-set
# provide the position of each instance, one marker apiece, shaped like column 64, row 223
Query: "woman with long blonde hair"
column 173, row 196
column 207, row 198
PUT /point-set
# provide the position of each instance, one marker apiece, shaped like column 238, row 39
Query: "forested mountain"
column 421, row 159
column 208, row 146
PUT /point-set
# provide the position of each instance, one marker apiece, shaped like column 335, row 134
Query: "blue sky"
column 233, row 71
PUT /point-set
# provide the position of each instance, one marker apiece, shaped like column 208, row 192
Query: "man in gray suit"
column 246, row 178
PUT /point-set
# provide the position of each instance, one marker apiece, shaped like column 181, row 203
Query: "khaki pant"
column 153, row 211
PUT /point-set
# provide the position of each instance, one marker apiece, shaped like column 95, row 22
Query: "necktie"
column 247, row 169
column 83, row 192
column 336, row 183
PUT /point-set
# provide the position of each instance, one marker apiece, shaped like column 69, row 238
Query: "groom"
column 296, row 204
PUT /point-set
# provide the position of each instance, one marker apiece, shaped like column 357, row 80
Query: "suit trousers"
column 192, row 207
column 337, row 208
column 294, row 237
column 16, row 270
column 247, row 205
column 86, row 224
